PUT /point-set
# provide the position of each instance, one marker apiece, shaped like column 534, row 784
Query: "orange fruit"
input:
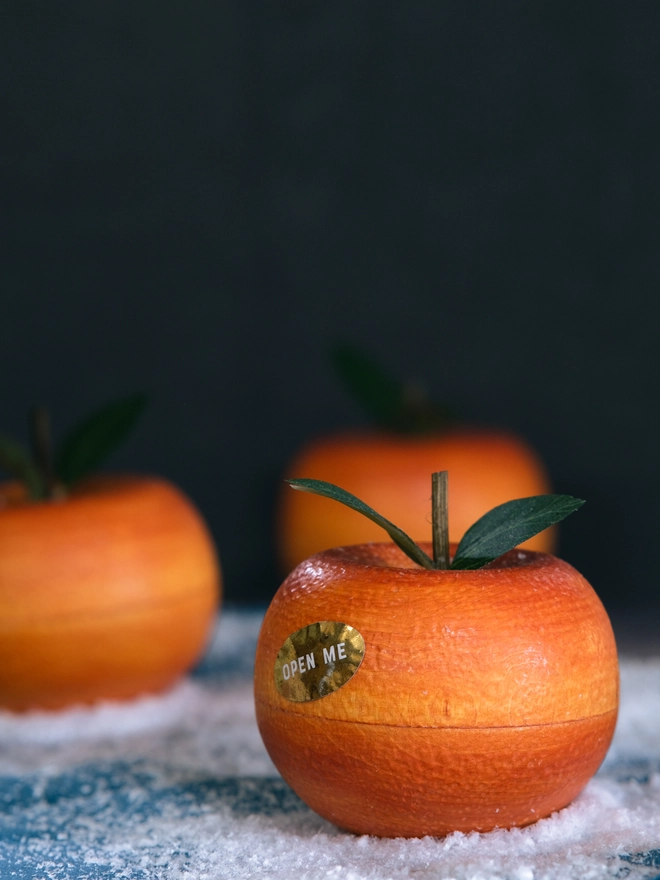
column 479, row 699
column 105, row 594
column 391, row 474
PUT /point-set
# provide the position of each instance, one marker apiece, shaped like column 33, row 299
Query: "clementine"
column 402, row 701
column 108, row 592
column 390, row 472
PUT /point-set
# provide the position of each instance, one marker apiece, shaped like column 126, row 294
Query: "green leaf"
column 329, row 490
column 394, row 405
column 376, row 390
column 509, row 524
column 94, row 439
column 16, row 461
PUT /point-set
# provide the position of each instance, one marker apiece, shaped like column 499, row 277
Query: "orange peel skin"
column 108, row 593
column 485, row 698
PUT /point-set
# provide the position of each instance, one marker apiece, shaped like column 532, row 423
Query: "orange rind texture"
column 105, row 595
column 485, row 698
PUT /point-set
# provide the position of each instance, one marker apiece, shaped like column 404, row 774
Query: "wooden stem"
column 440, row 519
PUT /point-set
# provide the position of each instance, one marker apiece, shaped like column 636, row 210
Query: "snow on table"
column 180, row 786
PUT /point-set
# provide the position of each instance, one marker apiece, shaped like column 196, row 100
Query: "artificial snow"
column 180, row 786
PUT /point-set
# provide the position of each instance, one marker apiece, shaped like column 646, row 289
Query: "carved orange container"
column 109, row 593
column 483, row 698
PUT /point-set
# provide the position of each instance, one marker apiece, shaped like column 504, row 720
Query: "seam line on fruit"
column 144, row 606
column 439, row 726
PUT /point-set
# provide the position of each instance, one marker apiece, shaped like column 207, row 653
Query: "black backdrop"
column 200, row 198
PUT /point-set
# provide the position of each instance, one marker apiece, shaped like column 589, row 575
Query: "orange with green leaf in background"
column 109, row 585
column 389, row 468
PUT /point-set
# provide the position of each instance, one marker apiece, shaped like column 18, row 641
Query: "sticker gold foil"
column 317, row 660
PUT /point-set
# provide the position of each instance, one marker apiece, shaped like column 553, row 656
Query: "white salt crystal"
column 180, row 786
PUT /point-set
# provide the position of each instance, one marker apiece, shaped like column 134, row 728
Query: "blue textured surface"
column 117, row 795
column 181, row 787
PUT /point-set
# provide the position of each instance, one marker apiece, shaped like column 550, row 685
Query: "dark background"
column 201, row 198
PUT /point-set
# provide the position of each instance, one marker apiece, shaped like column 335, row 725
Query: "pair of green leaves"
column 82, row 450
column 499, row 530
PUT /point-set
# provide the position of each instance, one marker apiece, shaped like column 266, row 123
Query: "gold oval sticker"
column 317, row 660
